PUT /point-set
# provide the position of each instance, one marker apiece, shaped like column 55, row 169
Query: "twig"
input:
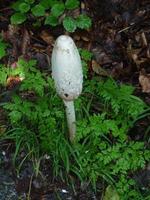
column 122, row 30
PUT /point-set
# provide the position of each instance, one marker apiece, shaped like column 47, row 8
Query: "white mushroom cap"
column 67, row 68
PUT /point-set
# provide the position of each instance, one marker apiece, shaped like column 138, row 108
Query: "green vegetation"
column 50, row 12
column 2, row 48
column 102, row 149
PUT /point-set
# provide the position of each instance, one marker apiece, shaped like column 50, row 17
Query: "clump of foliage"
column 105, row 112
column 51, row 12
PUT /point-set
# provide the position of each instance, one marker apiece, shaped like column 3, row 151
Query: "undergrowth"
column 103, row 150
column 51, row 13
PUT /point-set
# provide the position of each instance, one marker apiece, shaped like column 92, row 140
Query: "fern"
column 102, row 150
column 32, row 79
column 121, row 98
column 3, row 74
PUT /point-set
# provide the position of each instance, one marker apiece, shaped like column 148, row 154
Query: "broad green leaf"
column 24, row 7
column 51, row 20
column 72, row 4
column 69, row 24
column 83, row 22
column 45, row 4
column 48, row 3
column 38, row 10
column 18, row 18
column 16, row 5
column 58, row 9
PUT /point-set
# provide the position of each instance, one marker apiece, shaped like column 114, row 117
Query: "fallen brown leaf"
column 49, row 39
column 98, row 69
column 2, row 129
column 25, row 42
column 144, row 80
column 13, row 81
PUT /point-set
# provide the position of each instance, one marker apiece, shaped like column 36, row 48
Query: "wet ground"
column 24, row 185
column 7, row 186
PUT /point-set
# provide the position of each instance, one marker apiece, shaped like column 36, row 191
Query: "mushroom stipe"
column 68, row 76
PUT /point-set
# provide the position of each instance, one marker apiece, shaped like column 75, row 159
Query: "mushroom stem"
column 71, row 119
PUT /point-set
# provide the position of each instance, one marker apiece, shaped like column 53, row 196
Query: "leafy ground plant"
column 102, row 151
column 51, row 12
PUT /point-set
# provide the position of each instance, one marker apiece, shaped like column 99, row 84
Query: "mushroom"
column 68, row 76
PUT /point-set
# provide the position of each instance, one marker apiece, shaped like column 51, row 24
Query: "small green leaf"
column 69, row 24
column 58, row 9
column 38, row 10
column 48, row 3
column 18, row 18
column 16, row 5
column 72, row 4
column 85, row 54
column 51, row 20
column 111, row 194
column 24, row 7
column 45, row 4
column 2, row 52
column 2, row 49
column 83, row 22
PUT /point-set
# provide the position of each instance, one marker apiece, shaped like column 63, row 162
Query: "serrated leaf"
column 24, row 7
column 72, row 4
column 18, row 18
column 69, row 24
column 51, row 20
column 3, row 75
column 85, row 54
column 31, row 63
column 83, row 22
column 38, row 10
column 15, row 116
column 58, row 9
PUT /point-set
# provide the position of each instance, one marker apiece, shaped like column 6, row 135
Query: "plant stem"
column 71, row 119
